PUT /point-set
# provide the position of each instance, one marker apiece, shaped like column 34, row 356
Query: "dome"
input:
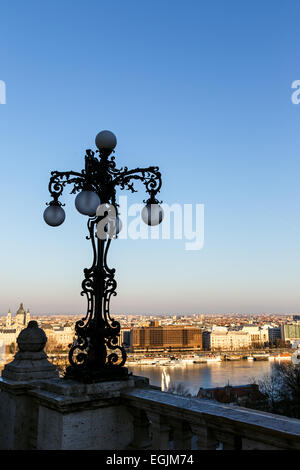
column 21, row 315
column 21, row 310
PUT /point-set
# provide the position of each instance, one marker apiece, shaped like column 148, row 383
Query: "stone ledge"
column 71, row 404
column 71, row 388
column 19, row 387
column 67, row 396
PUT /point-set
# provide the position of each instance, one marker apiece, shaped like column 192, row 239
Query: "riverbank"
column 172, row 360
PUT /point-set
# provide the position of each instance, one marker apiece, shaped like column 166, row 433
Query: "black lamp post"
column 96, row 354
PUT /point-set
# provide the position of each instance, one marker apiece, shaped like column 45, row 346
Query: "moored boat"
column 261, row 357
column 213, row 359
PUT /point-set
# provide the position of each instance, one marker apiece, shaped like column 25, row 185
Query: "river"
column 194, row 376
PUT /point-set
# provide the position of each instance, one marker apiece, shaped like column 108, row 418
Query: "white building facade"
column 228, row 340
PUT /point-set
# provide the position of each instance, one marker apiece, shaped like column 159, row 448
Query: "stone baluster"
column 182, row 434
column 231, row 441
column 206, row 438
column 160, row 431
column 141, row 429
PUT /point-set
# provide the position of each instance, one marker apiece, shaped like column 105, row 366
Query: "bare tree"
column 271, row 386
column 282, row 390
column 289, row 377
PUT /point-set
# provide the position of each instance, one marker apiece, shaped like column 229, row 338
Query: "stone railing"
column 165, row 421
column 39, row 410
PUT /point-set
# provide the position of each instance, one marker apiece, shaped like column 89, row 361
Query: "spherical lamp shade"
column 54, row 215
column 106, row 140
column 87, row 202
column 152, row 214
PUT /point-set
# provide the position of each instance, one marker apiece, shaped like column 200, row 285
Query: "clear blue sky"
column 200, row 88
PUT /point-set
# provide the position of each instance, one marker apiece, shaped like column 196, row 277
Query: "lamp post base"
column 89, row 375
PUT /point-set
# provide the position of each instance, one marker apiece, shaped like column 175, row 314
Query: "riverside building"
column 290, row 332
column 259, row 335
column 225, row 340
column 156, row 337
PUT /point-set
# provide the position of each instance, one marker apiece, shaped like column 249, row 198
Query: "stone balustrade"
column 61, row 414
column 39, row 410
column 165, row 421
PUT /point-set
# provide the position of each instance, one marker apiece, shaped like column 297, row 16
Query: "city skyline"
column 207, row 98
column 157, row 314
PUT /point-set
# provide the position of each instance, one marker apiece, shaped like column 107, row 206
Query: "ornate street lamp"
column 95, row 354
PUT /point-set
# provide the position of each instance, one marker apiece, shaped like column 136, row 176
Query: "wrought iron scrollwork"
column 96, row 353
